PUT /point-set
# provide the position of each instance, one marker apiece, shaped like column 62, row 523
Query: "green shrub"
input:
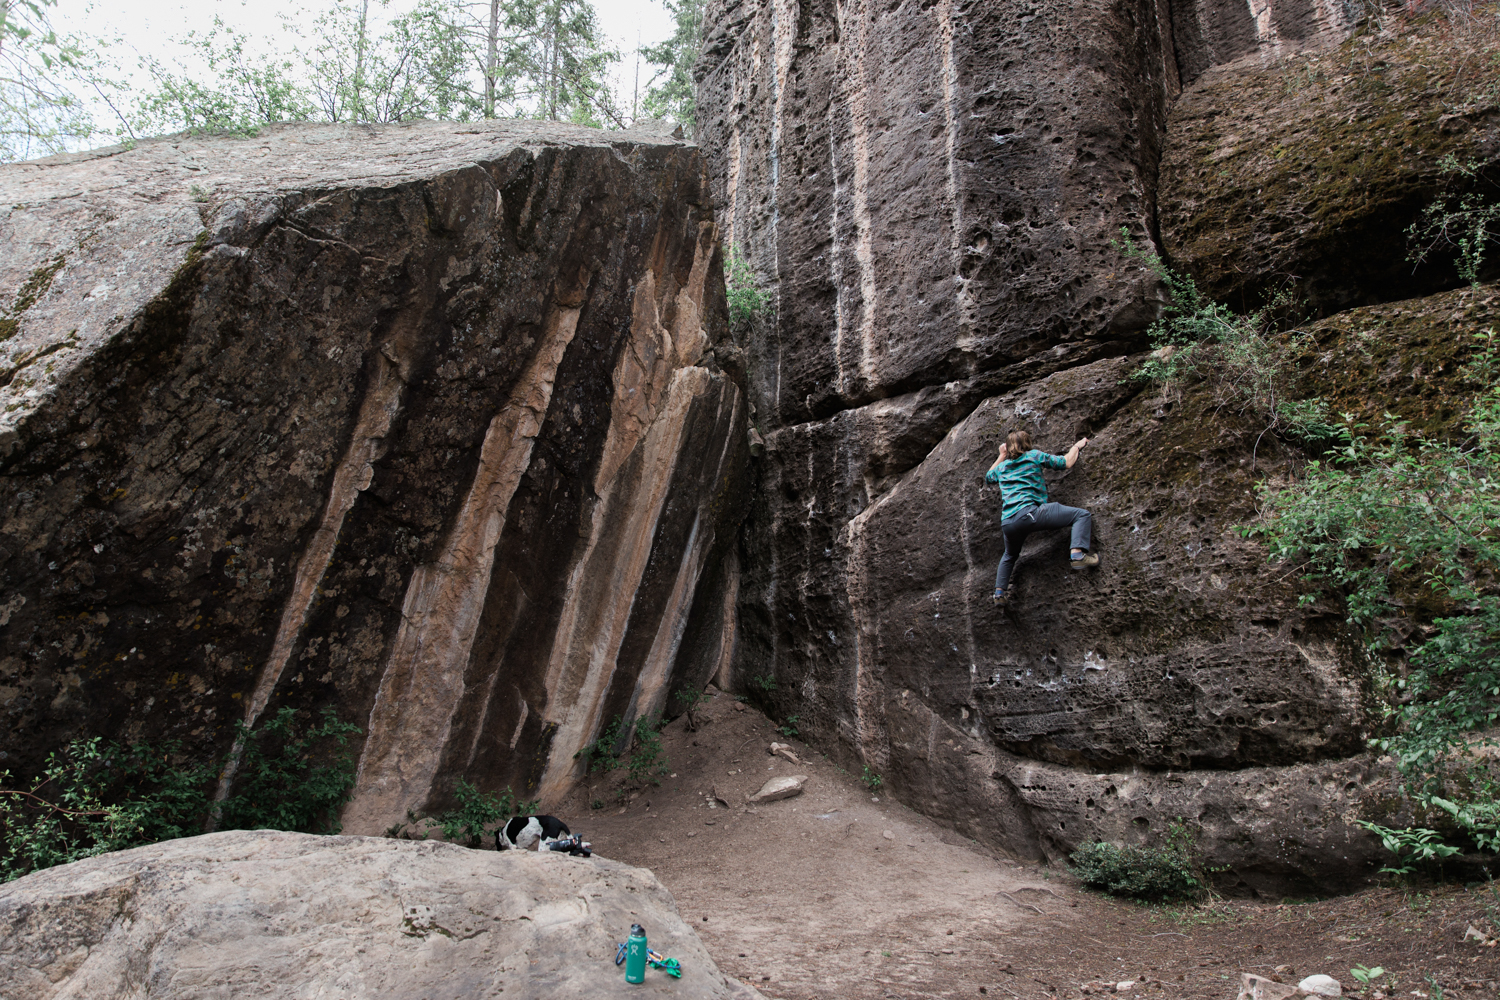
column 740, row 287
column 690, row 701
column 278, row 785
column 1242, row 356
column 647, row 762
column 477, row 812
column 600, row 755
column 1464, row 222
column 95, row 796
column 1399, row 521
column 1152, row 874
column 644, row 762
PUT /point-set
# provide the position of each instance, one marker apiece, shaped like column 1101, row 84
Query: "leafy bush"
column 95, row 796
column 1153, row 874
column 600, row 755
column 690, row 700
column 740, row 287
column 1243, row 356
column 1413, row 847
column 279, row 787
column 1401, row 513
column 1464, row 223
column 872, row 780
column 477, row 813
column 645, row 762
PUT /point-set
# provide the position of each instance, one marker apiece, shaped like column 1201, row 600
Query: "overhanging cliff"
column 424, row 423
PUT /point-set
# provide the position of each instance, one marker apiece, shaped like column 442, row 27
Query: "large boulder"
column 422, row 422
column 274, row 915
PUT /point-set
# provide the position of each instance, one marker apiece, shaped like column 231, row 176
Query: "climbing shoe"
column 1083, row 560
column 1001, row 598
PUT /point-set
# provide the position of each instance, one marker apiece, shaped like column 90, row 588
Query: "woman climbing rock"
column 1023, row 493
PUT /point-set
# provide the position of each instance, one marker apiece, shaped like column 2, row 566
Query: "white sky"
column 149, row 27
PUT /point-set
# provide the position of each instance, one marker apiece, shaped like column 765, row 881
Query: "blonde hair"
column 1017, row 443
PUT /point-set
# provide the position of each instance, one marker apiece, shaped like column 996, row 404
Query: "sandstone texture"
column 1305, row 175
column 929, row 195
column 425, row 423
column 271, row 914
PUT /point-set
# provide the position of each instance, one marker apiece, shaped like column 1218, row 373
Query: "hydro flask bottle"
column 635, row 955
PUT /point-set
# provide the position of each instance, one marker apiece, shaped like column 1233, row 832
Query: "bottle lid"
column 636, row 930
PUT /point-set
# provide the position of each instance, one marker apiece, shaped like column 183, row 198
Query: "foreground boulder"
column 422, row 422
column 271, row 914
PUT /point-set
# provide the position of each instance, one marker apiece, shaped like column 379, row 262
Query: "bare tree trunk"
column 359, row 62
column 555, row 29
column 490, row 59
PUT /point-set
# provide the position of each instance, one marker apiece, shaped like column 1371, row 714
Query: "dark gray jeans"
column 1042, row 517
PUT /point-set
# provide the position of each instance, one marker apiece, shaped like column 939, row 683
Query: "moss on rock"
column 1407, row 359
column 1310, row 171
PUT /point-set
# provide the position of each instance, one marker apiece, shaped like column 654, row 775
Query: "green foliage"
column 1197, row 338
column 244, row 92
column 42, row 77
column 279, row 784
column 740, row 287
column 789, row 728
column 95, row 796
column 477, row 813
column 1365, row 974
column 1145, row 873
column 600, row 755
column 645, row 762
column 872, row 780
column 1395, row 521
column 416, row 68
column 558, row 62
column 690, row 700
column 356, row 62
column 1463, row 221
column 1413, row 847
column 672, row 93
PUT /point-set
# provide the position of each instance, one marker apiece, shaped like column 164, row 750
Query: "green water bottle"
column 635, row 955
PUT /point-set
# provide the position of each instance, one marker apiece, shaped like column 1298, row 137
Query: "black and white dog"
column 544, row 833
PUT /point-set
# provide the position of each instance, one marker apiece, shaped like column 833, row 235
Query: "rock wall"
column 931, row 195
column 425, row 423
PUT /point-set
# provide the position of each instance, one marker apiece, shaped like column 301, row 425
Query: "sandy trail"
column 841, row 894
column 835, row 893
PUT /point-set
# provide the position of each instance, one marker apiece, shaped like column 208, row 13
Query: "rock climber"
column 1023, row 492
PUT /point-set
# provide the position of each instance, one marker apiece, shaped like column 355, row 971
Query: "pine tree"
column 675, row 97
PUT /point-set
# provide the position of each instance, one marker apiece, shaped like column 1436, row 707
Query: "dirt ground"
column 841, row 894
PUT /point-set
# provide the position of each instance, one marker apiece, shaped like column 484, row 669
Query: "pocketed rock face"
column 928, row 194
column 290, row 915
column 930, row 190
column 1100, row 705
column 423, row 422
